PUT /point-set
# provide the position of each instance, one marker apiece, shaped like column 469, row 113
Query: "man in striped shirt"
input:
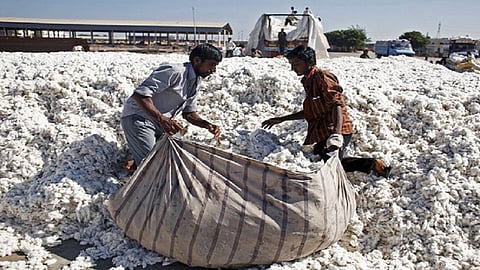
column 324, row 109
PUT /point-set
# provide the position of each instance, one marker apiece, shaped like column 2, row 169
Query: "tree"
column 335, row 39
column 347, row 40
column 355, row 38
column 418, row 40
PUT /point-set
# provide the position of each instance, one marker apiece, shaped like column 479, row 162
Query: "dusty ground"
column 70, row 249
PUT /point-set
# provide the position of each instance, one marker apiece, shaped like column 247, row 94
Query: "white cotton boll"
column 8, row 241
column 280, row 157
column 137, row 257
column 54, row 215
column 51, row 241
column 50, row 261
column 80, row 262
column 17, row 265
column 473, row 108
column 35, row 252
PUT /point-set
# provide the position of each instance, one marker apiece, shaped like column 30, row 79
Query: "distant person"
column 442, row 61
column 256, row 53
column 239, row 51
column 365, row 54
column 291, row 18
column 170, row 90
column 329, row 126
column 186, row 47
column 230, row 47
column 282, row 41
column 470, row 55
column 307, row 11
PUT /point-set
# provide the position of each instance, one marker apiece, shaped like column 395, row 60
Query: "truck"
column 393, row 47
column 461, row 55
column 305, row 30
column 462, row 46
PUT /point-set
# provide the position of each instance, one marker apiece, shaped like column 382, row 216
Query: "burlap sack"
column 206, row 207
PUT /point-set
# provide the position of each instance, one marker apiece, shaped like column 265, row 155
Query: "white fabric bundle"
column 335, row 140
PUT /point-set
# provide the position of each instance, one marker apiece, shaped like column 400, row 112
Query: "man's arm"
column 195, row 119
column 277, row 120
column 338, row 118
column 168, row 125
column 335, row 140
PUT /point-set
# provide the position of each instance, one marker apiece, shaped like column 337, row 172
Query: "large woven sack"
column 207, row 207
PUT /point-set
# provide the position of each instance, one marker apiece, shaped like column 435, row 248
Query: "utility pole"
column 194, row 27
column 438, row 30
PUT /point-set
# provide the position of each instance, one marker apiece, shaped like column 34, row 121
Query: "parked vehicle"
column 462, row 54
column 462, row 46
column 306, row 30
column 444, row 47
column 393, row 47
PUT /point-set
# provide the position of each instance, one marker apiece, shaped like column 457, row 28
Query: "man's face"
column 299, row 66
column 204, row 68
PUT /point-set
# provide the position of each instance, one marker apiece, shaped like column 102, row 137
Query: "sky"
column 381, row 19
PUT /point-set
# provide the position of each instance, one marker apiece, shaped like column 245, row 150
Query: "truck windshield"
column 403, row 45
column 462, row 47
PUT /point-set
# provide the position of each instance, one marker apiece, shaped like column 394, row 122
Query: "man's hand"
column 195, row 119
column 271, row 122
column 334, row 142
column 170, row 126
column 215, row 130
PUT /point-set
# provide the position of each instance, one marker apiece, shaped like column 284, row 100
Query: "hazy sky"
column 382, row 19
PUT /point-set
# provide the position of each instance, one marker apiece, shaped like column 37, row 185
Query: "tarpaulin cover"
column 308, row 26
column 207, row 207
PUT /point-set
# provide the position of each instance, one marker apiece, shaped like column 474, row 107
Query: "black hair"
column 206, row 52
column 303, row 53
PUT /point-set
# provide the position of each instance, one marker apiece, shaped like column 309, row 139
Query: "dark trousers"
column 288, row 21
column 350, row 164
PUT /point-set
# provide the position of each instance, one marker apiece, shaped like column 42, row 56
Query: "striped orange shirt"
column 323, row 95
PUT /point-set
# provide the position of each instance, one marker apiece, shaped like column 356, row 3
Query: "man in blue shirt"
column 169, row 90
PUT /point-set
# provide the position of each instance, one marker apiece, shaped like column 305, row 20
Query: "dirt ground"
column 70, row 249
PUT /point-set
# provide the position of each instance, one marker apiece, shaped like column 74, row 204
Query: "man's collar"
column 191, row 75
column 310, row 74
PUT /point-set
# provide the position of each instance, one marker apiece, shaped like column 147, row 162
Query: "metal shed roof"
column 114, row 25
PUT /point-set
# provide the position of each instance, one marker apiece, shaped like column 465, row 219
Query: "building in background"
column 26, row 34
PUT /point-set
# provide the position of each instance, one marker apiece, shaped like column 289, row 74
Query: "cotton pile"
column 62, row 153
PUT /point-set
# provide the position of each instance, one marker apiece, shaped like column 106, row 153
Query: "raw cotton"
column 62, row 152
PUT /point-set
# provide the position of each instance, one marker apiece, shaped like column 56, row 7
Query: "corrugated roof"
column 114, row 25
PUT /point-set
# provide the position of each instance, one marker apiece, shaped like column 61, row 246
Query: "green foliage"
column 417, row 39
column 347, row 40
